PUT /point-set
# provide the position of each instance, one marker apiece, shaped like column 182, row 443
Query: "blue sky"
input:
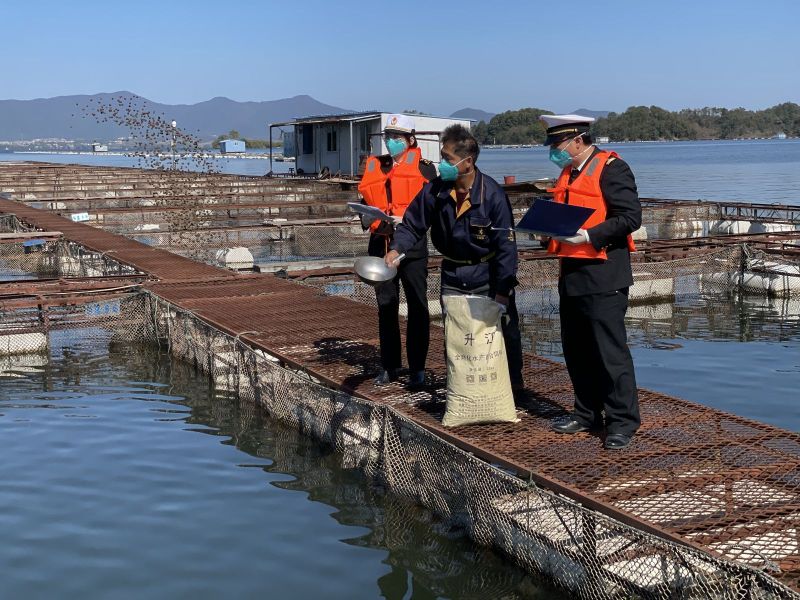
column 431, row 56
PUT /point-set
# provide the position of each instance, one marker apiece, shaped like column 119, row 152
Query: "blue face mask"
column 449, row 172
column 560, row 157
column 396, row 146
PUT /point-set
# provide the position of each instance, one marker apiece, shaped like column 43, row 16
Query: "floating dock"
column 703, row 504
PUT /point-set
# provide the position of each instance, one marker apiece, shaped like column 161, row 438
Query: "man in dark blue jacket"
column 471, row 225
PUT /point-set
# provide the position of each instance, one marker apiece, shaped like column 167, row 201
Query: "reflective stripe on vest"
column 584, row 191
column 405, row 181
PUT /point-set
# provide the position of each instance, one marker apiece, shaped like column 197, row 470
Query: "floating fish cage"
column 53, row 259
column 656, row 280
column 581, row 550
column 650, row 533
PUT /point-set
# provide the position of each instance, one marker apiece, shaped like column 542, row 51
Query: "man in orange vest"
column 390, row 182
column 595, row 275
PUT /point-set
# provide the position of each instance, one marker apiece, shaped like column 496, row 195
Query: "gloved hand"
column 581, row 237
column 396, row 220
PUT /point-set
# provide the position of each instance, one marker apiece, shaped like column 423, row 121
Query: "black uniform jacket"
column 623, row 216
column 479, row 247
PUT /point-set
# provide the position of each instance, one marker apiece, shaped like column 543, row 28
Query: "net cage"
column 583, row 551
column 708, row 272
column 56, row 258
column 197, row 215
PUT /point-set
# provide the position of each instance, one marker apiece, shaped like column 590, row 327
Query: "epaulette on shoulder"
column 611, row 159
column 425, row 161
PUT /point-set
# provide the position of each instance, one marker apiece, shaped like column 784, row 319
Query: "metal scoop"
column 372, row 270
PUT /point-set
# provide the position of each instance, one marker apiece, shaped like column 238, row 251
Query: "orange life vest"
column 405, row 182
column 584, row 191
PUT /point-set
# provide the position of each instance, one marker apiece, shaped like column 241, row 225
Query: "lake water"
column 740, row 354
column 746, row 170
column 125, row 476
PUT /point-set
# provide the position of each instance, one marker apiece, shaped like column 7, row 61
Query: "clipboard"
column 370, row 211
column 554, row 219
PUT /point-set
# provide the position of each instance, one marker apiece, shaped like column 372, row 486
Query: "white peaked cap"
column 562, row 127
column 402, row 123
column 556, row 120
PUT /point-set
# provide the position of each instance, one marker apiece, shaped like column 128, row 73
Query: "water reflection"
column 427, row 559
column 738, row 353
column 124, row 473
column 720, row 317
column 133, row 488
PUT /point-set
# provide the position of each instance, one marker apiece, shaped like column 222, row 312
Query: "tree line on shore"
column 651, row 123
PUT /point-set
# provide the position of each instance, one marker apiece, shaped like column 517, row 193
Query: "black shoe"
column 386, row 377
column 416, row 379
column 617, row 441
column 570, row 426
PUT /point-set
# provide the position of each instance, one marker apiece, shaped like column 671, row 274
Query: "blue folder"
column 554, row 218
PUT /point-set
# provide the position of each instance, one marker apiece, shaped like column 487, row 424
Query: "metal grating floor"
column 696, row 475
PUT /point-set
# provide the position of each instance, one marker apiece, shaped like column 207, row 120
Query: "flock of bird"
column 177, row 155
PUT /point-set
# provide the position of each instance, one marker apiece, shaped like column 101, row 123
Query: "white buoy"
column 774, row 278
column 730, row 227
column 22, row 343
column 235, row 258
column 770, row 227
column 647, row 287
column 687, row 228
column 710, row 282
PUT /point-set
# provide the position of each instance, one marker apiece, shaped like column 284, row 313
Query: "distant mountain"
column 61, row 117
column 473, row 113
column 597, row 114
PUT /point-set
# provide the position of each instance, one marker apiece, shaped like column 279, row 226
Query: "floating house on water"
column 339, row 144
column 232, row 146
column 98, row 147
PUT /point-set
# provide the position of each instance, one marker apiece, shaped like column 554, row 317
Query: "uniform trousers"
column 510, row 326
column 413, row 273
column 599, row 361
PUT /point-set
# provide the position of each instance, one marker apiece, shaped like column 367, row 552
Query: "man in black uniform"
column 471, row 222
column 390, row 182
column 594, row 281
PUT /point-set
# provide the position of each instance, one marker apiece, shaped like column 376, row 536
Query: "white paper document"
column 370, row 211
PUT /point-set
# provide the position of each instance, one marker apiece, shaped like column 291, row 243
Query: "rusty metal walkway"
column 694, row 475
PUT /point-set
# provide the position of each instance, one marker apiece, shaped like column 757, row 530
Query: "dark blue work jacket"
column 479, row 247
